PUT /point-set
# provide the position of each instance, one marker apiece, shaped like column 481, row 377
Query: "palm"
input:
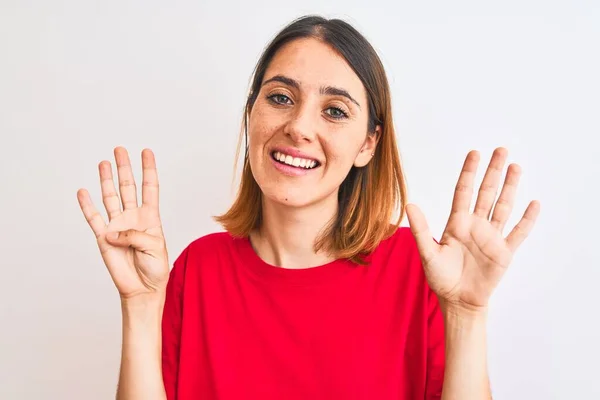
column 472, row 255
column 134, row 271
column 470, row 262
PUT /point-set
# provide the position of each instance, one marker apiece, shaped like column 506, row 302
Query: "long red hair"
column 370, row 196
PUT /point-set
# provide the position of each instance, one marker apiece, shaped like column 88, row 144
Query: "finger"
column 489, row 186
column 127, row 186
column 140, row 241
column 149, row 179
column 110, row 198
column 464, row 188
column 525, row 225
column 504, row 205
column 91, row 214
column 420, row 230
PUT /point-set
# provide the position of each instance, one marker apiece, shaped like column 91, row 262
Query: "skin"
column 137, row 261
column 305, row 119
column 463, row 268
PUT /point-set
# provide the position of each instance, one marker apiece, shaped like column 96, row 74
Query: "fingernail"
column 112, row 235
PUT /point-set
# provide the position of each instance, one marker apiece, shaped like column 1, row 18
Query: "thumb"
column 420, row 230
column 132, row 238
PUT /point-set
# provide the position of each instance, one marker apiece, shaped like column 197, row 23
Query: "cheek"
column 261, row 129
column 342, row 153
column 261, row 126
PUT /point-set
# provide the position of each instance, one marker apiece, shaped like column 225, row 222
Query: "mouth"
column 294, row 162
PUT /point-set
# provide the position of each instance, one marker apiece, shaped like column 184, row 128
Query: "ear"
column 367, row 151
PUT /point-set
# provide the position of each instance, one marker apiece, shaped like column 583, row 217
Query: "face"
column 308, row 126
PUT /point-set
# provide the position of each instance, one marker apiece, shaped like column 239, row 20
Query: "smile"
column 297, row 162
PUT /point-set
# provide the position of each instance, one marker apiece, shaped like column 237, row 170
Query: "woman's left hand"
column 466, row 265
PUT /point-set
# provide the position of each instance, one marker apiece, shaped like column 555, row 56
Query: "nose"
column 301, row 126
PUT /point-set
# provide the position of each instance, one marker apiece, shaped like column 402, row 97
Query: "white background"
column 78, row 78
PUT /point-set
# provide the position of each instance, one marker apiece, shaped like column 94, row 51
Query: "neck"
column 287, row 235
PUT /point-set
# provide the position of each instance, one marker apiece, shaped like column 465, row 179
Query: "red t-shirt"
column 235, row 327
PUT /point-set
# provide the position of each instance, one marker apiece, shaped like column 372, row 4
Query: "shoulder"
column 210, row 241
column 400, row 243
column 398, row 259
column 399, row 255
column 203, row 250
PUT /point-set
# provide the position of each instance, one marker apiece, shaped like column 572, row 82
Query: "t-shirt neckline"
column 294, row 276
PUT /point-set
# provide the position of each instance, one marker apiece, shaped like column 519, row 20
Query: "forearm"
column 466, row 376
column 141, row 373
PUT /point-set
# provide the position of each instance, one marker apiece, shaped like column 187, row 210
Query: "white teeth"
column 294, row 161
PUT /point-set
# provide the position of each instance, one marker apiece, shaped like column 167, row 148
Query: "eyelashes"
column 339, row 113
column 283, row 100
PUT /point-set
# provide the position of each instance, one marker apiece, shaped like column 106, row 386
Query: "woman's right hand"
column 137, row 260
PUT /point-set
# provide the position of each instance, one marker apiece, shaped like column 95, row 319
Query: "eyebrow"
column 325, row 90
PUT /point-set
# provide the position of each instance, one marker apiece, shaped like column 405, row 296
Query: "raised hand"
column 137, row 259
column 472, row 255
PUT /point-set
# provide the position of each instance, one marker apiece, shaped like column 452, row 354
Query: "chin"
column 291, row 197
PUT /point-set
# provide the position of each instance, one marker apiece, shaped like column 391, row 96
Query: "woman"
column 311, row 292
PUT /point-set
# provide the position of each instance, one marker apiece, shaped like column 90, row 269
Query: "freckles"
column 262, row 124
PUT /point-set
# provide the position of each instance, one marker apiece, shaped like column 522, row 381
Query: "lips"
column 292, row 161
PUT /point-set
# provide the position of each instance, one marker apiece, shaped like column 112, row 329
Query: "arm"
column 133, row 248
column 141, row 375
column 465, row 375
column 466, row 265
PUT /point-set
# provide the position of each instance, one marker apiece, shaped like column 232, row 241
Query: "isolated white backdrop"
column 78, row 78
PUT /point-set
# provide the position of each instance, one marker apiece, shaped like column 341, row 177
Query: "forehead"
column 314, row 64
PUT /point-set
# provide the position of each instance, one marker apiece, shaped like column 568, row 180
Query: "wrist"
column 144, row 301
column 143, row 310
column 463, row 312
column 465, row 347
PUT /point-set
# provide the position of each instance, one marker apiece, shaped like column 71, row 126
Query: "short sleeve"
column 171, row 325
column 435, row 349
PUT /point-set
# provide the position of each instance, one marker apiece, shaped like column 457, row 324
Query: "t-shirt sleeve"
column 171, row 325
column 435, row 349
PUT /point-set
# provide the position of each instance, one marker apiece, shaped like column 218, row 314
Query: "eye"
column 279, row 98
column 336, row 113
